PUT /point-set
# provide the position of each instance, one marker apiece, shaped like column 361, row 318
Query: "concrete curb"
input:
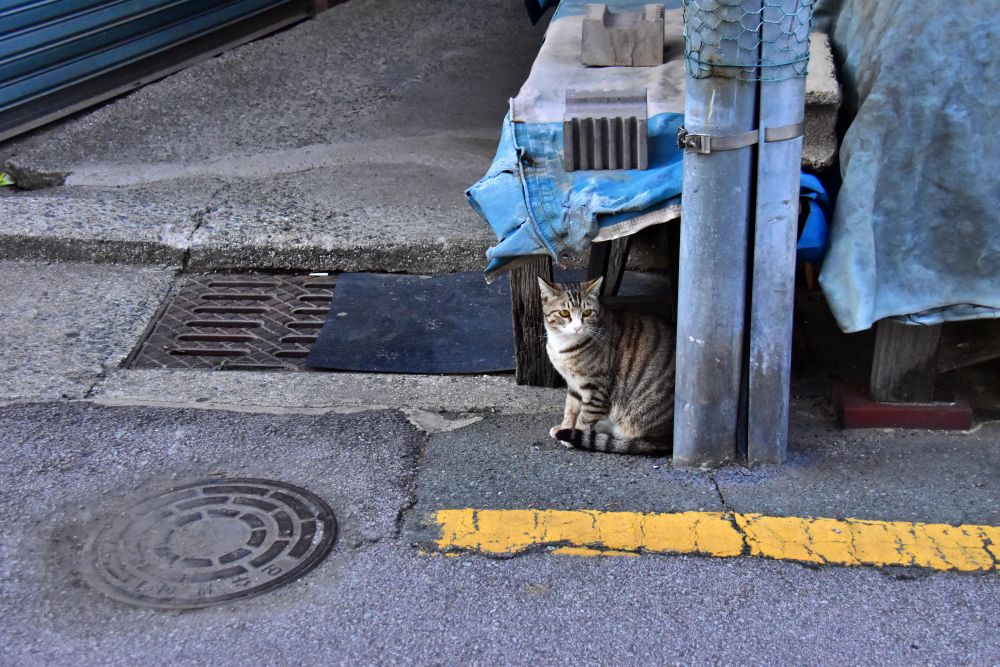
column 418, row 257
column 317, row 393
column 27, row 248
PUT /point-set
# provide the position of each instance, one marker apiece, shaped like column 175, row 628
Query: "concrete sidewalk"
column 344, row 143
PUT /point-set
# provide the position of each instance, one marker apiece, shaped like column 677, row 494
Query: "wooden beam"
column 967, row 344
column 532, row 362
column 598, row 262
column 608, row 259
column 904, row 366
column 671, row 239
column 617, row 258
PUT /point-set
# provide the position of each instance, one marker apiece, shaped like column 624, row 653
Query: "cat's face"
column 571, row 309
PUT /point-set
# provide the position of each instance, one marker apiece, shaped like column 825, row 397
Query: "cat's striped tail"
column 602, row 442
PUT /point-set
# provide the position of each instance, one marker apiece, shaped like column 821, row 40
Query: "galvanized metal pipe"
column 773, row 289
column 711, row 317
column 772, row 295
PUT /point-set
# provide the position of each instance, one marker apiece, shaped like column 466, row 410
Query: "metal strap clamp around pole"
column 706, row 144
column 784, row 132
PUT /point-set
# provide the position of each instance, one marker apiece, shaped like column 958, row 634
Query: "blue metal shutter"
column 57, row 56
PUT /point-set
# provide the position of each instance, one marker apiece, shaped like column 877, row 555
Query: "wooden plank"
column 904, row 365
column 617, row 258
column 598, row 262
column 608, row 259
column 652, row 304
column 533, row 366
column 967, row 344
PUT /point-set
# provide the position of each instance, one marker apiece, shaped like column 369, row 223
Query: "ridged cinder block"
column 622, row 39
column 603, row 130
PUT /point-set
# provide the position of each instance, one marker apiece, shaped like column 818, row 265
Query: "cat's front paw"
column 555, row 429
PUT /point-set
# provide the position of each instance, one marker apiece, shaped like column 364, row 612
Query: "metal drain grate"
column 237, row 322
column 209, row 542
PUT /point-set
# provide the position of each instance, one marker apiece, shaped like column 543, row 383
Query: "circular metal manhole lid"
column 210, row 542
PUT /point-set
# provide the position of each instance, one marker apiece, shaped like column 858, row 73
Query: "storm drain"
column 210, row 542
column 237, row 322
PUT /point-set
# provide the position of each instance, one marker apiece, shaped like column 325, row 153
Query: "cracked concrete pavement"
column 82, row 438
column 65, row 325
column 316, row 148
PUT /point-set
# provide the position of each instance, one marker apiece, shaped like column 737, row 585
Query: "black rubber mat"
column 417, row 324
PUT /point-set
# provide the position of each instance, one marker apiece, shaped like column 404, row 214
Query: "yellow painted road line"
column 966, row 548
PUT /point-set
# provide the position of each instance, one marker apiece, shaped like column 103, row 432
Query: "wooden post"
column 671, row 237
column 532, row 362
column 904, row 366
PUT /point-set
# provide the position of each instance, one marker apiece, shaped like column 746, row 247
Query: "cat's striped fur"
column 619, row 371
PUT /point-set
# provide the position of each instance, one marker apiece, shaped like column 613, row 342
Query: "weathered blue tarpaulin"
column 533, row 205
column 916, row 229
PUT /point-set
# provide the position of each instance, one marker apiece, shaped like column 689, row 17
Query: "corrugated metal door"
column 58, row 56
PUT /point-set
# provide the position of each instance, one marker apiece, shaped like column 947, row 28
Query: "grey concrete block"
column 819, row 146
column 605, row 130
column 622, row 39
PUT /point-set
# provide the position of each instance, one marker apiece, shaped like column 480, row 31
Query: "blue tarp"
column 916, row 228
column 535, row 207
column 532, row 204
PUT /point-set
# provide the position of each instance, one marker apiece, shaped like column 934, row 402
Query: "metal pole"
column 712, row 278
column 782, row 105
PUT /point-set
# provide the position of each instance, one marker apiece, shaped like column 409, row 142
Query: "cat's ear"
column 548, row 289
column 593, row 286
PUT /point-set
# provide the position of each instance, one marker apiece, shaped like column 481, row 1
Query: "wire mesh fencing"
column 750, row 40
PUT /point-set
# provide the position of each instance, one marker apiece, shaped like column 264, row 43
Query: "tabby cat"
column 619, row 370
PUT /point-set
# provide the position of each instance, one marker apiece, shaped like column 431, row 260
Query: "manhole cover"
column 237, row 322
column 209, row 542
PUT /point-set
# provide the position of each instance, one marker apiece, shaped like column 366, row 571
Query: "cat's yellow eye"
column 563, row 313
column 588, row 312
